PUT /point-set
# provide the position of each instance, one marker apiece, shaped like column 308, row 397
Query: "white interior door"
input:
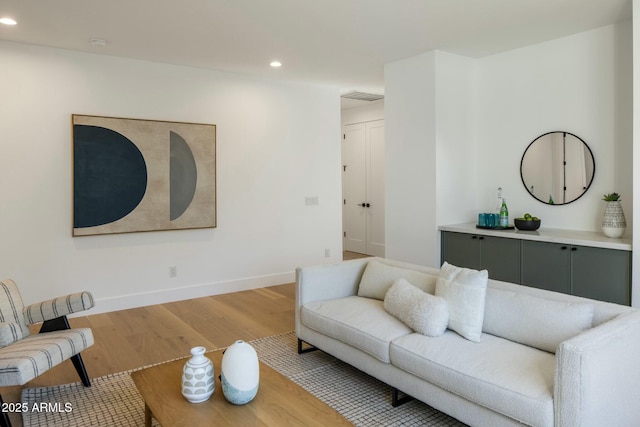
column 375, row 188
column 354, row 188
column 363, row 188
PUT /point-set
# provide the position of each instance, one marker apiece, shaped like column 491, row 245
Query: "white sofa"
column 590, row 379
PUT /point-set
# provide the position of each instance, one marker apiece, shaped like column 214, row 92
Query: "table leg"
column 147, row 415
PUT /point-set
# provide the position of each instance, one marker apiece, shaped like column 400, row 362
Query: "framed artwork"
column 132, row 175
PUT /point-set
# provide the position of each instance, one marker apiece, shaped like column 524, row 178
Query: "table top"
column 551, row 235
column 279, row 401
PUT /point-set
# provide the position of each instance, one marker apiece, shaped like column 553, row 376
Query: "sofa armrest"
column 597, row 380
column 327, row 281
column 57, row 307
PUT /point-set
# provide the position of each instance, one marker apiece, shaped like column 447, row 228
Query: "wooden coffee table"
column 279, row 401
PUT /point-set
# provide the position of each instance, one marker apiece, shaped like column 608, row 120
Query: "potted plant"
column 613, row 220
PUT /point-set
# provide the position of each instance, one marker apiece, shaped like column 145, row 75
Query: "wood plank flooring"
column 142, row 336
column 129, row 339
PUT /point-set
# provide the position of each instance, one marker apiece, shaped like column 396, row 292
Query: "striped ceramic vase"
column 198, row 380
column 613, row 221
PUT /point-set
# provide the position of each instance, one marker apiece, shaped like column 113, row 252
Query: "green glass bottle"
column 504, row 214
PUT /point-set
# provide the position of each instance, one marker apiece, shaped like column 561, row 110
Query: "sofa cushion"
column 464, row 290
column 31, row 356
column 538, row 322
column 378, row 278
column 424, row 313
column 359, row 322
column 510, row 378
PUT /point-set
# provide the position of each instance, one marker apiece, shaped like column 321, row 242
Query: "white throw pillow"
column 378, row 278
column 537, row 322
column 464, row 290
column 422, row 312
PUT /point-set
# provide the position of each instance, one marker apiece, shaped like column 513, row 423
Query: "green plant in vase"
column 611, row 197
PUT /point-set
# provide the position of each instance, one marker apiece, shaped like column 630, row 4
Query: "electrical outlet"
column 173, row 271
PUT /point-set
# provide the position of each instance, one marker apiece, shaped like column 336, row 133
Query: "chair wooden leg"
column 80, row 369
column 4, row 417
column 60, row 324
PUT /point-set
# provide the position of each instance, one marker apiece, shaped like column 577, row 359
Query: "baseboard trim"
column 106, row 305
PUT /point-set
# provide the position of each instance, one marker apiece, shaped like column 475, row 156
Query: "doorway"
column 363, row 188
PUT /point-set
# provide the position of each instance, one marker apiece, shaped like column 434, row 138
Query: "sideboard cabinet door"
column 499, row 255
column 546, row 266
column 601, row 274
column 461, row 249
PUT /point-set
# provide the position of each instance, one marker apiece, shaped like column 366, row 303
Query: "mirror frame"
column 593, row 160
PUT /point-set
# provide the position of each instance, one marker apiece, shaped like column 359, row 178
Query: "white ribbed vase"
column 614, row 223
column 240, row 373
column 198, row 379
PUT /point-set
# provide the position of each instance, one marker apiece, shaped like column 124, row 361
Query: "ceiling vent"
column 361, row 96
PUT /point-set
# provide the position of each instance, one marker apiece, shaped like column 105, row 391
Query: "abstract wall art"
column 132, row 175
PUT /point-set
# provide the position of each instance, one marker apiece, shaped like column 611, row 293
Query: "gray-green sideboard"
column 581, row 263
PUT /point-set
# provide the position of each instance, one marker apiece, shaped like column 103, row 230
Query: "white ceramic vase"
column 198, row 379
column 240, row 373
column 614, row 223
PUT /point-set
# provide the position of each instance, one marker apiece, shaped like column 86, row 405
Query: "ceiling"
column 337, row 42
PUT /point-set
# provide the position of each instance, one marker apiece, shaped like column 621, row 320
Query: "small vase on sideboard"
column 614, row 223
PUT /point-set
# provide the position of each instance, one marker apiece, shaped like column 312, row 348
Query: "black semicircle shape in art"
column 183, row 175
column 110, row 176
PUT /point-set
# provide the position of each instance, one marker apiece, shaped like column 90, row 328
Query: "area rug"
column 113, row 400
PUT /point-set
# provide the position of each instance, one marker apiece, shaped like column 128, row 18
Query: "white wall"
column 457, row 165
column 368, row 112
column 431, row 167
column 410, row 160
column 267, row 133
column 635, row 292
column 457, row 129
column 579, row 84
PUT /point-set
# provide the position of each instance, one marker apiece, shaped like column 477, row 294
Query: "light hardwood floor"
column 142, row 336
column 129, row 339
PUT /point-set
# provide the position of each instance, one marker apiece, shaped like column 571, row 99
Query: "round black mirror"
column 557, row 168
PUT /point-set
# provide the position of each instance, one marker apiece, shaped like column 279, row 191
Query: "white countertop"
column 552, row 235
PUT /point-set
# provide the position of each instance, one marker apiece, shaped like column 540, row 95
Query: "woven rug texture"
column 113, row 400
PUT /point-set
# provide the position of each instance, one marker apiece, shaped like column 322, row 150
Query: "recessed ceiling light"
column 7, row 21
column 276, row 64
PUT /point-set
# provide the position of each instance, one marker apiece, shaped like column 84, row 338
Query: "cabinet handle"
column 474, row 237
column 574, row 248
column 481, row 237
column 564, row 248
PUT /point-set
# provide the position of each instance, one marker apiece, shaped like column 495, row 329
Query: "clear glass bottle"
column 499, row 204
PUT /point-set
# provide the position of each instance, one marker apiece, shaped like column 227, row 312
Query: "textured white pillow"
column 537, row 322
column 464, row 290
column 422, row 312
column 378, row 278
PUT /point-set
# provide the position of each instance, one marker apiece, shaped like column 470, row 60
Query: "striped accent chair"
column 24, row 356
